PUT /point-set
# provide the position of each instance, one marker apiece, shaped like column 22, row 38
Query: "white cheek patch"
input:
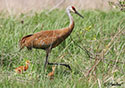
column 71, row 10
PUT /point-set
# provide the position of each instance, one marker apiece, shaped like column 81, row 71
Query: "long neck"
column 71, row 25
column 67, row 31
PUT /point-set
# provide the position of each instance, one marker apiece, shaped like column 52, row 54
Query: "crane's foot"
column 66, row 65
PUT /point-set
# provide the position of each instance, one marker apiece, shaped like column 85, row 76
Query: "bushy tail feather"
column 22, row 41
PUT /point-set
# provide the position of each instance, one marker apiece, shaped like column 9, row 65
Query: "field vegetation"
column 95, row 50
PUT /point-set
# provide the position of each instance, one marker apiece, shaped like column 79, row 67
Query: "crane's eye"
column 73, row 8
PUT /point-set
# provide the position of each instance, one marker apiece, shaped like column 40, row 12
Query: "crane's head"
column 73, row 10
column 27, row 62
column 53, row 68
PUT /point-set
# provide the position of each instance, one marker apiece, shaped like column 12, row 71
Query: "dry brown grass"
column 36, row 5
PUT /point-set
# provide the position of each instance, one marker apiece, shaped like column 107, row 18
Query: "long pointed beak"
column 79, row 14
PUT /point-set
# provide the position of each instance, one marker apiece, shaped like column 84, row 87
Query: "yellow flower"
column 88, row 28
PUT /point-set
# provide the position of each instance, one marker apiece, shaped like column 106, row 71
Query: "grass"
column 98, row 32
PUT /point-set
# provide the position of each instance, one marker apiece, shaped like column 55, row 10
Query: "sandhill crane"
column 49, row 39
column 51, row 74
column 20, row 69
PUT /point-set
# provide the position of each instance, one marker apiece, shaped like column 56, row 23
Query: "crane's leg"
column 66, row 65
column 47, row 55
column 46, row 61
